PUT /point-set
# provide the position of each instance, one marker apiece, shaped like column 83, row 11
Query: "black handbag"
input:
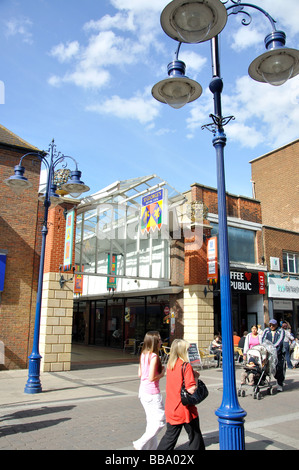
column 195, row 398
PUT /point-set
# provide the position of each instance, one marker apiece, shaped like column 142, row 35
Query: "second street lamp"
column 275, row 66
column 18, row 182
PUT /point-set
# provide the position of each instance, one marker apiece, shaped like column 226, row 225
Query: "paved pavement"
column 97, row 408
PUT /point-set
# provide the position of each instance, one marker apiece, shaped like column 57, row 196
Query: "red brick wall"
column 237, row 206
column 276, row 241
column 20, row 224
column 55, row 238
column 276, row 183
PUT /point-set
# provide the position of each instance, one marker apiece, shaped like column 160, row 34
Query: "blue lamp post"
column 194, row 21
column 18, row 182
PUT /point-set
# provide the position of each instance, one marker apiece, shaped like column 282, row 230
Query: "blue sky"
column 81, row 72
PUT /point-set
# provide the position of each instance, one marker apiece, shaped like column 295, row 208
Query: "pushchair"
column 261, row 362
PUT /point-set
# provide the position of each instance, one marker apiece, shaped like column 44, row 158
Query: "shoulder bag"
column 198, row 396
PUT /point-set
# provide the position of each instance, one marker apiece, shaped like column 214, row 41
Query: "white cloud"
column 20, row 27
column 263, row 114
column 138, row 108
column 121, row 21
column 140, row 5
column 91, row 78
column 65, row 53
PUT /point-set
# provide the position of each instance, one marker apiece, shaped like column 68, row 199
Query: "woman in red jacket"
column 178, row 415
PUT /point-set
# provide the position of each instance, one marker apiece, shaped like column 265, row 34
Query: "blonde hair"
column 151, row 344
column 178, row 350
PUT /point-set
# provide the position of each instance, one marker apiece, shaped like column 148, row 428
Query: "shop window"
column 241, row 243
column 290, row 263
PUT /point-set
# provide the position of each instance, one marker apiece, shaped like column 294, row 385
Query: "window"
column 241, row 244
column 290, row 262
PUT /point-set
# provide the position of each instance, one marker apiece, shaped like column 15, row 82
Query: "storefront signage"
column 193, row 355
column 282, row 287
column 152, row 209
column 252, row 283
column 68, row 242
column 111, row 281
column 212, row 260
column 78, row 284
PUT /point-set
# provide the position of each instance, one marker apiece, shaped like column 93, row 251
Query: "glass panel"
column 100, row 323
column 155, row 317
column 241, row 244
column 115, row 317
column 89, row 241
column 135, row 319
column 79, row 322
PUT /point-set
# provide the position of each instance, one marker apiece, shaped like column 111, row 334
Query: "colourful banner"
column 111, row 281
column 78, row 284
column 212, row 260
column 68, row 242
column 152, row 211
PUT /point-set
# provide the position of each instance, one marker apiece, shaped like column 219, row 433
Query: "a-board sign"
column 193, row 354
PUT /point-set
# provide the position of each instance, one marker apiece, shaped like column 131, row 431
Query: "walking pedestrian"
column 288, row 339
column 252, row 339
column 276, row 336
column 178, row 415
column 150, row 372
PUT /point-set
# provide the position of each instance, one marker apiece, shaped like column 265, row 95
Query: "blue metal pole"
column 230, row 414
column 33, row 384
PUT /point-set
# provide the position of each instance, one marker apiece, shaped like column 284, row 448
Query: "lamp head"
column 75, row 187
column 193, row 21
column 278, row 64
column 53, row 198
column 177, row 90
column 17, row 182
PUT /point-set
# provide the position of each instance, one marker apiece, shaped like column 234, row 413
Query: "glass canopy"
column 109, row 235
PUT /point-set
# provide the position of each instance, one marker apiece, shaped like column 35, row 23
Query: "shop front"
column 123, row 252
column 283, row 293
column 111, row 322
column 247, row 290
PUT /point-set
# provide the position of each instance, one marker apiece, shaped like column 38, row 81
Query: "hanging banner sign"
column 68, row 242
column 152, row 211
column 111, row 281
column 78, row 285
column 212, row 260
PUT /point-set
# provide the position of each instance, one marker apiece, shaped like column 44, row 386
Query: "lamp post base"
column 231, row 433
column 33, row 384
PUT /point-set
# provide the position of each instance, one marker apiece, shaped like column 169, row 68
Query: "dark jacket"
column 277, row 340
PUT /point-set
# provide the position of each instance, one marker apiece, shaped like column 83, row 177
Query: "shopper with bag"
column 178, row 415
column 150, row 372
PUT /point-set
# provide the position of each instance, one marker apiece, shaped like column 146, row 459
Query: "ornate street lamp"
column 193, row 21
column 18, row 182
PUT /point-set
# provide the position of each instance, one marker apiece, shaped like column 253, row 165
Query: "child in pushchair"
column 251, row 372
column 257, row 370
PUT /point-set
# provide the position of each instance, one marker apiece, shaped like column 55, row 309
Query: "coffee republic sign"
column 252, row 283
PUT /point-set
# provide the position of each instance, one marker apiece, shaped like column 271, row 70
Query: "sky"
column 81, row 72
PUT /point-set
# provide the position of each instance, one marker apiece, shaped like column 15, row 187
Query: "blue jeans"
column 286, row 348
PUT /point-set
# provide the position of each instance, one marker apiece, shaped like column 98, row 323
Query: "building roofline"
column 12, row 140
column 274, row 151
column 210, row 188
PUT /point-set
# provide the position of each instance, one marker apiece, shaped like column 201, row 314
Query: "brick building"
column 21, row 220
column 276, row 185
column 202, row 301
